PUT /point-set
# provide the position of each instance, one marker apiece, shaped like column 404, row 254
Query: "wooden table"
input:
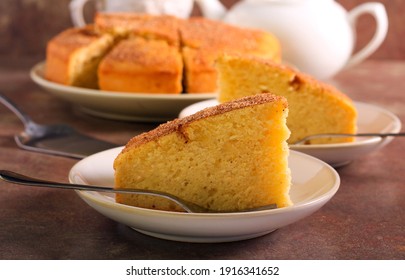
column 364, row 220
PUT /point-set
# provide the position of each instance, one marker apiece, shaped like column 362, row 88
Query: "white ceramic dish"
column 313, row 184
column 371, row 118
column 117, row 105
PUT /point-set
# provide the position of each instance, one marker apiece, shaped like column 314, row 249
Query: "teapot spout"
column 212, row 9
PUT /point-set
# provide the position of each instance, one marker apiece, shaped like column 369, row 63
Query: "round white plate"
column 119, row 105
column 371, row 118
column 313, row 184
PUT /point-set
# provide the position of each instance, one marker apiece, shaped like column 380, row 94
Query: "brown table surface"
column 364, row 220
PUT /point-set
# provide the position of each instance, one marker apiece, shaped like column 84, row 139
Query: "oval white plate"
column 119, row 105
column 371, row 118
column 313, row 184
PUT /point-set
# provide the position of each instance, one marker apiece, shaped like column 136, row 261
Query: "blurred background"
column 27, row 25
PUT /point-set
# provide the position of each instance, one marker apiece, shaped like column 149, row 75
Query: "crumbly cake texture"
column 191, row 46
column 315, row 107
column 229, row 157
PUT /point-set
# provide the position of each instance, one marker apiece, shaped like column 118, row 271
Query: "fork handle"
column 366, row 134
column 26, row 120
column 16, row 178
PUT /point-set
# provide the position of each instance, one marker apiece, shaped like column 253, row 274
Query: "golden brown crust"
column 61, row 49
column 179, row 124
column 148, row 26
column 204, row 40
column 226, row 158
column 130, row 67
column 71, row 40
column 200, row 32
column 315, row 107
column 197, row 42
column 297, row 79
column 135, row 53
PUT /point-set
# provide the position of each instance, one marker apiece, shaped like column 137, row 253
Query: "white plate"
column 371, row 118
column 313, row 184
column 118, row 105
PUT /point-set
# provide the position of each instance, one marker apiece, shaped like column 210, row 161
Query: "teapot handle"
column 377, row 10
column 76, row 12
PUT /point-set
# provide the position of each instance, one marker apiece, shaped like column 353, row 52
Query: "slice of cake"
column 229, row 157
column 203, row 40
column 315, row 107
column 141, row 65
column 199, row 33
column 125, row 25
column 200, row 73
column 73, row 56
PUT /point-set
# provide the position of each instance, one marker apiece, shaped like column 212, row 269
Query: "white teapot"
column 316, row 36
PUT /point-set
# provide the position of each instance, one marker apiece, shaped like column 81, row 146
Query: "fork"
column 325, row 135
column 16, row 178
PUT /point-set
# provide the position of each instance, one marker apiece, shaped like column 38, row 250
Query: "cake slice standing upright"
column 226, row 158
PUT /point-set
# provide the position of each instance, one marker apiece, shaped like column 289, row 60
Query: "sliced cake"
column 73, row 56
column 315, row 107
column 203, row 40
column 125, row 25
column 141, row 65
column 229, row 157
column 196, row 41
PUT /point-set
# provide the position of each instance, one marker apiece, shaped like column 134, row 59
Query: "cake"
column 203, row 40
column 200, row 73
column 188, row 47
column 315, row 107
column 129, row 67
column 73, row 56
column 152, row 27
column 229, row 157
